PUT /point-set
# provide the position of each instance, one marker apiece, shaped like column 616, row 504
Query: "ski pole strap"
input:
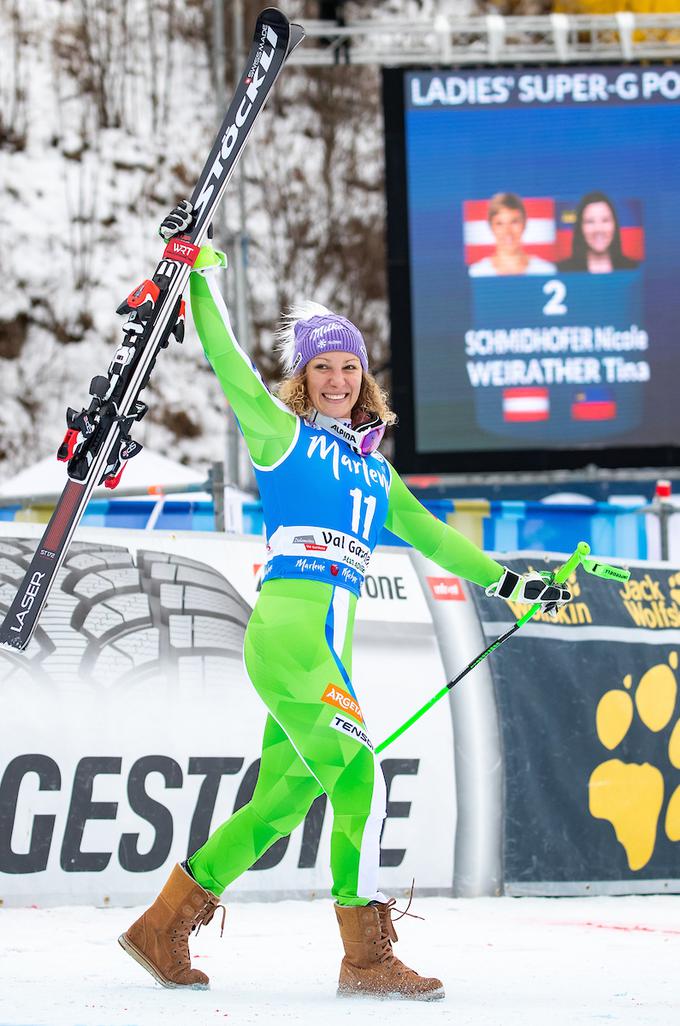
column 610, row 573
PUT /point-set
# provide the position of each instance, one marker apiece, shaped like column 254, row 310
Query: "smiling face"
column 334, row 383
column 507, row 226
column 598, row 226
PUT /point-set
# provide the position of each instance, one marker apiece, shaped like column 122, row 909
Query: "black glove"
column 178, row 221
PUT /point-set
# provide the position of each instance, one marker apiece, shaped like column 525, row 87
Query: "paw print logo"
column 674, row 585
column 631, row 795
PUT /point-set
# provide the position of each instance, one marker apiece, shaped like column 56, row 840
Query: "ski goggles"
column 363, row 439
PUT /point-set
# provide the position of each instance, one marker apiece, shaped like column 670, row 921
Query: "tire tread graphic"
column 117, row 618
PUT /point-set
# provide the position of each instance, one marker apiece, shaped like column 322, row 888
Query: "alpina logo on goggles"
column 363, row 439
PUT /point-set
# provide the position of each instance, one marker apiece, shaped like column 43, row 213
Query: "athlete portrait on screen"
column 596, row 243
column 507, row 219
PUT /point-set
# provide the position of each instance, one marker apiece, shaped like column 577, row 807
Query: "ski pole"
column 578, row 557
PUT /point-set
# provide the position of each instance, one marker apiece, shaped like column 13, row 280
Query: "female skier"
column 326, row 493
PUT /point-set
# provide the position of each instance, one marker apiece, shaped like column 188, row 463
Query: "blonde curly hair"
column 372, row 398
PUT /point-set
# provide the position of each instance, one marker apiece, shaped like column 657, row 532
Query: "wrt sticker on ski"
column 97, row 444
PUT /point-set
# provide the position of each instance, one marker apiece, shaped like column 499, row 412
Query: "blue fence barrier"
column 608, row 529
column 501, row 525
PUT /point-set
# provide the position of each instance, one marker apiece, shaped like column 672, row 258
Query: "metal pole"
column 217, row 486
column 665, row 513
column 218, row 43
column 231, row 470
column 663, row 508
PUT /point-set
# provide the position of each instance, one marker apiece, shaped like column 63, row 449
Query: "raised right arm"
column 268, row 426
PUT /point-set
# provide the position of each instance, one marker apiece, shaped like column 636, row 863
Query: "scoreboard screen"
column 534, row 247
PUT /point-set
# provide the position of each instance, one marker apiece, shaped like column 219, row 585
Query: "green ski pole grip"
column 561, row 575
column 564, row 572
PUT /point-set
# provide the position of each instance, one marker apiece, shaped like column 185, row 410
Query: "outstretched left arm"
column 409, row 520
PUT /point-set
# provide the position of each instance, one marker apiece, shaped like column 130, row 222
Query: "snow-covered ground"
column 504, row 961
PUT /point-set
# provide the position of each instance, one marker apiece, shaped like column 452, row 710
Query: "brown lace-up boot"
column 159, row 939
column 370, row 967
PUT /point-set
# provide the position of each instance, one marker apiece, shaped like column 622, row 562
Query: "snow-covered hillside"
column 107, row 110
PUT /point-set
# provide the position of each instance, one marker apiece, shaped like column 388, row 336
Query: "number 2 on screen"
column 370, row 502
column 557, row 290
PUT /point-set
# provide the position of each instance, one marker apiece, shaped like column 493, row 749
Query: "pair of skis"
column 97, row 444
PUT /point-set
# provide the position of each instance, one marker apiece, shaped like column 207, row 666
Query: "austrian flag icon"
column 526, row 404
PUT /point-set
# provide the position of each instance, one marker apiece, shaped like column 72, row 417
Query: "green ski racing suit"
column 298, row 644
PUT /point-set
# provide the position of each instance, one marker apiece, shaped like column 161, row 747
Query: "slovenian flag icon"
column 538, row 237
column 594, row 403
column 526, row 404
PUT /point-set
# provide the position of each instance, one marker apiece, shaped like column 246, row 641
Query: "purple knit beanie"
column 322, row 333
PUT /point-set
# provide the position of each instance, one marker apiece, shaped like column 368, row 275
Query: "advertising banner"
column 129, row 730
column 590, row 735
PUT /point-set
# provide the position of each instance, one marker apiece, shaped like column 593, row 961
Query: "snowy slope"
column 504, row 962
